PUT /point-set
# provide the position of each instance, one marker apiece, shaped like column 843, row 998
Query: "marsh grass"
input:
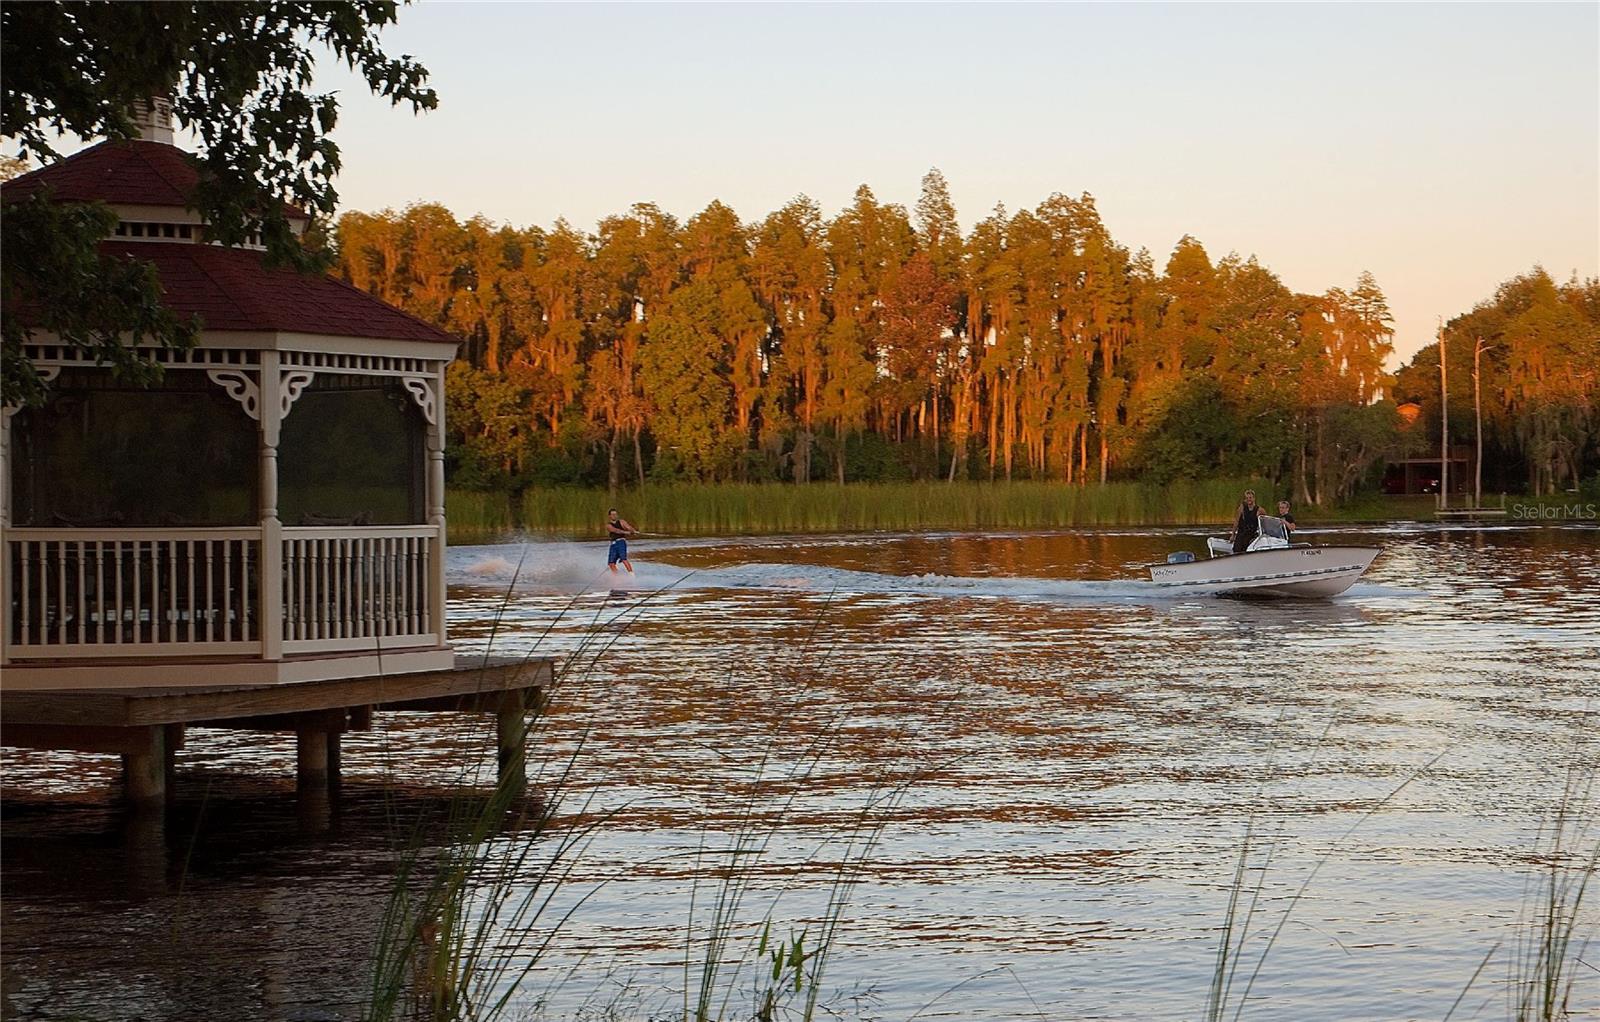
column 1553, row 939
column 723, row 942
column 469, row 917
column 732, row 509
column 457, row 937
column 789, row 969
column 476, row 516
column 1244, row 904
column 1552, row 942
column 466, row 920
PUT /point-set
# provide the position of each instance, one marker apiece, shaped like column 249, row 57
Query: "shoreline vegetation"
column 750, row 509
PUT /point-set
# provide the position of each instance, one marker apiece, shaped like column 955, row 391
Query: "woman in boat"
column 1246, row 523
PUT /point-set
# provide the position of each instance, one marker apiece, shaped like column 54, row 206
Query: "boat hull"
column 1304, row 572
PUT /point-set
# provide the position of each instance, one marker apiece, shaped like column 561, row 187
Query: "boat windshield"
column 1273, row 528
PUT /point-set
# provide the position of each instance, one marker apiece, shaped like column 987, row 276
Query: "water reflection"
column 1080, row 761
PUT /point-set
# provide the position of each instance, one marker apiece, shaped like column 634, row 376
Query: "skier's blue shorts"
column 619, row 551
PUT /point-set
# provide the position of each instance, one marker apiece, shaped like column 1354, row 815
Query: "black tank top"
column 1250, row 521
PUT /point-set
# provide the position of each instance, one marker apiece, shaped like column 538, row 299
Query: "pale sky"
column 1445, row 148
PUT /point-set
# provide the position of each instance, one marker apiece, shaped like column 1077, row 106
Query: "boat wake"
column 573, row 568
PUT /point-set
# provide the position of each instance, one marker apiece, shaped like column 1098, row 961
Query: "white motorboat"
column 1272, row 566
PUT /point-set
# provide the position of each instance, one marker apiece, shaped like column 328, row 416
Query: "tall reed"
column 1243, row 906
column 476, row 516
column 1552, row 938
column 457, row 939
column 794, row 965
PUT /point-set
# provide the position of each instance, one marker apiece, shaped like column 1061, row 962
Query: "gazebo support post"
column 311, row 757
column 335, row 762
column 5, row 523
column 270, row 600
column 435, row 498
column 171, row 742
column 312, row 796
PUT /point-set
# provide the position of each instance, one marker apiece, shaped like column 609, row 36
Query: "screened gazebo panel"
column 104, row 453
column 352, row 453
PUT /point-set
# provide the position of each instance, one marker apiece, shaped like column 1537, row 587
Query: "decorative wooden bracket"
column 291, row 385
column 421, row 390
column 241, row 386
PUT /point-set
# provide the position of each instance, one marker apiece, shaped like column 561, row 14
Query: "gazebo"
column 271, row 511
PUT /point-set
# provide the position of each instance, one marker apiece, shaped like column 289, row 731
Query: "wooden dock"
column 1469, row 513
column 1472, row 512
column 146, row 726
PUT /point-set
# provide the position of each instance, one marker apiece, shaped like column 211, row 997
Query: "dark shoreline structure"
column 255, row 540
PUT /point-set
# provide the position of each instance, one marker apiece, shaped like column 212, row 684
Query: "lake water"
column 1058, row 768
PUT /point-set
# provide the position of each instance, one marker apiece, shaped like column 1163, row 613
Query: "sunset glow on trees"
column 884, row 344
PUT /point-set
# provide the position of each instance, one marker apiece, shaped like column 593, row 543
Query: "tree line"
column 881, row 343
column 1528, row 358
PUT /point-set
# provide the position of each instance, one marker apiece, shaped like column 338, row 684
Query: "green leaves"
column 55, row 278
column 786, row 970
column 684, row 366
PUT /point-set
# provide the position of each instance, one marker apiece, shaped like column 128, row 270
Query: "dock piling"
column 334, row 761
column 314, row 751
column 511, row 735
column 144, row 769
column 172, row 741
column 311, row 758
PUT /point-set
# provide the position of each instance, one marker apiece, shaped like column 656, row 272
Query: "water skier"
column 619, row 531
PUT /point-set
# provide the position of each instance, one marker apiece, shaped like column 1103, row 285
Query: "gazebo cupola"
column 272, row 510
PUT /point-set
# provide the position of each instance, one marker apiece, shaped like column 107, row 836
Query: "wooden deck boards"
column 471, row 676
column 146, row 725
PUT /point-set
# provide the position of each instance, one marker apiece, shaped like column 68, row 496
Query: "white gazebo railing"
column 347, row 588
column 130, row 592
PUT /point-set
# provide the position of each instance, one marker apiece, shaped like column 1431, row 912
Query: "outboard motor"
column 1180, row 557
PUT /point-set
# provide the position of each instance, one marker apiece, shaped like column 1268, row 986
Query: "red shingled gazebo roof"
column 130, row 173
column 233, row 289
column 228, row 288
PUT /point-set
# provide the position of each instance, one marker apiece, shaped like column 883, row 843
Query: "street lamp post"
column 1444, row 427
column 1477, row 410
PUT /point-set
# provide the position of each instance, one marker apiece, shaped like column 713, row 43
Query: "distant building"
column 1422, row 474
column 271, row 511
column 1410, row 476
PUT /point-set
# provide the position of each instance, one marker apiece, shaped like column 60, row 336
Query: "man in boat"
column 619, row 531
column 1286, row 515
column 1246, row 523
